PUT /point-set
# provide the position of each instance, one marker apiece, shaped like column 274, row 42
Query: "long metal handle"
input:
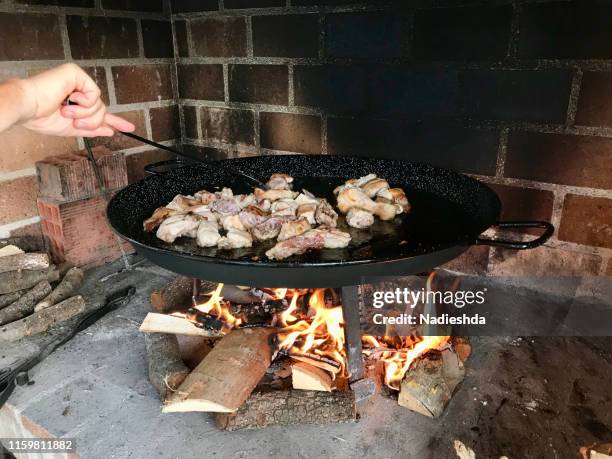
column 519, row 245
column 168, row 164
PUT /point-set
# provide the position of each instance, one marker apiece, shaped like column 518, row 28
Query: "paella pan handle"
column 519, row 245
column 169, row 164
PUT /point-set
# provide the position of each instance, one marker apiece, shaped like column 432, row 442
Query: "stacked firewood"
column 232, row 374
column 32, row 296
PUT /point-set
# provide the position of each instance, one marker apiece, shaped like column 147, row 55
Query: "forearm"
column 12, row 104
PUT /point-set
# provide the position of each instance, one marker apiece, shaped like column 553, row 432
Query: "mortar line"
column 290, row 88
column 110, row 83
column 256, row 122
column 501, row 152
column 324, row 134
column 226, row 96
column 148, row 127
column 64, row 35
column 140, row 38
column 198, row 116
column 557, row 210
column 249, row 36
column 20, row 173
column 572, row 106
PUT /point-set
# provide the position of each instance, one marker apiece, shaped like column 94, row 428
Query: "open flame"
column 217, row 307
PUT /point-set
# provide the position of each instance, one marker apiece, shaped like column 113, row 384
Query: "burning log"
column 289, row 407
column 163, row 323
column 71, row 281
column 318, row 361
column 430, row 384
column 43, row 320
column 166, row 369
column 19, row 280
column 19, row 261
column 24, row 306
column 174, row 296
column 227, row 375
column 309, row 377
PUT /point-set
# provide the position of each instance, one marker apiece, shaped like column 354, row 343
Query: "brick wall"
column 126, row 46
column 519, row 94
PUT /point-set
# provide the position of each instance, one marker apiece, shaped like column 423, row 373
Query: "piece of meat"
column 225, row 207
column 183, row 203
column 306, row 197
column 284, row 207
column 203, row 211
column 359, row 218
column 355, row 197
column 160, row 214
column 245, row 200
column 268, row 229
column 293, row 228
column 373, row 187
column 208, row 234
column 274, row 195
column 325, row 214
column 297, row 245
column 279, row 182
column 307, row 211
column 225, row 193
column 205, row 197
column 177, row 226
column 385, row 195
column 250, row 218
column 355, row 183
column 235, row 239
column 333, row 238
column 399, row 197
column 233, row 222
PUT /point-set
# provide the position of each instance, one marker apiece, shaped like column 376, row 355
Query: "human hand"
column 45, row 111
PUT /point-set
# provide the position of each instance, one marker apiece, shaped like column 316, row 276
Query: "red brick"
column 587, row 220
column 17, row 199
column 593, row 104
column 293, row 35
column 97, row 37
column 219, row 36
column 180, row 32
column 228, row 125
column 142, row 83
column 25, row 36
column 560, row 158
column 191, row 121
column 153, row 6
column 157, row 39
column 165, row 123
column 64, row 234
column 524, row 203
column 288, row 132
column 136, row 162
column 609, row 268
column 71, row 177
column 201, row 81
column 98, row 74
column 121, row 142
column 259, row 84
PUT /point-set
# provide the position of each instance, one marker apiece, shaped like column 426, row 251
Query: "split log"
column 166, row 369
column 20, row 280
column 308, row 377
column 163, row 323
column 193, row 349
column 174, row 296
column 24, row 306
column 10, row 250
column 35, row 261
column 66, row 288
column 227, row 376
column 289, row 407
column 9, row 298
column 318, row 361
column 42, row 321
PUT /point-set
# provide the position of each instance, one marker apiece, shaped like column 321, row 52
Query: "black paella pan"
column 449, row 212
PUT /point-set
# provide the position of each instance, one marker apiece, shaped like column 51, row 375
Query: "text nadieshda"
column 411, row 298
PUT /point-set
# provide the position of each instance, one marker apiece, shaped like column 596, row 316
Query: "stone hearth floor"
column 541, row 397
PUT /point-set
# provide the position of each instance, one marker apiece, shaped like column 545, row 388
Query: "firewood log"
column 308, row 377
column 35, row 261
column 71, row 281
column 166, row 369
column 9, row 298
column 227, row 376
column 24, row 306
column 42, row 321
column 19, row 280
column 163, row 323
column 10, row 250
column 174, row 296
column 289, row 407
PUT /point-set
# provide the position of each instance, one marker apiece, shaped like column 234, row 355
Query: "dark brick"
column 287, row 132
column 219, row 36
column 191, row 6
column 19, row 43
column 231, row 4
column 294, row 35
column 97, row 37
column 267, row 84
column 335, row 88
column 516, row 95
column 322, row 2
column 228, row 125
column 587, row 220
column 165, row 123
column 559, row 158
column 191, row 121
column 157, row 38
column 365, row 35
column 98, row 74
column 153, row 6
column 142, row 83
column 121, row 142
column 462, row 33
column 180, row 32
column 136, row 162
column 209, row 153
column 75, row 3
column 594, row 108
column 571, row 30
column 201, row 81
column 524, row 203
column 444, row 145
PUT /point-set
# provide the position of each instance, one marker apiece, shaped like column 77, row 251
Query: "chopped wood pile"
column 30, row 303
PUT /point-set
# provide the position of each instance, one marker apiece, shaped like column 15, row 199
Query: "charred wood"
column 24, row 306
column 166, row 368
column 175, row 296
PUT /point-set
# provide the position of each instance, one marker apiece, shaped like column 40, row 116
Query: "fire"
column 398, row 353
column 215, row 306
